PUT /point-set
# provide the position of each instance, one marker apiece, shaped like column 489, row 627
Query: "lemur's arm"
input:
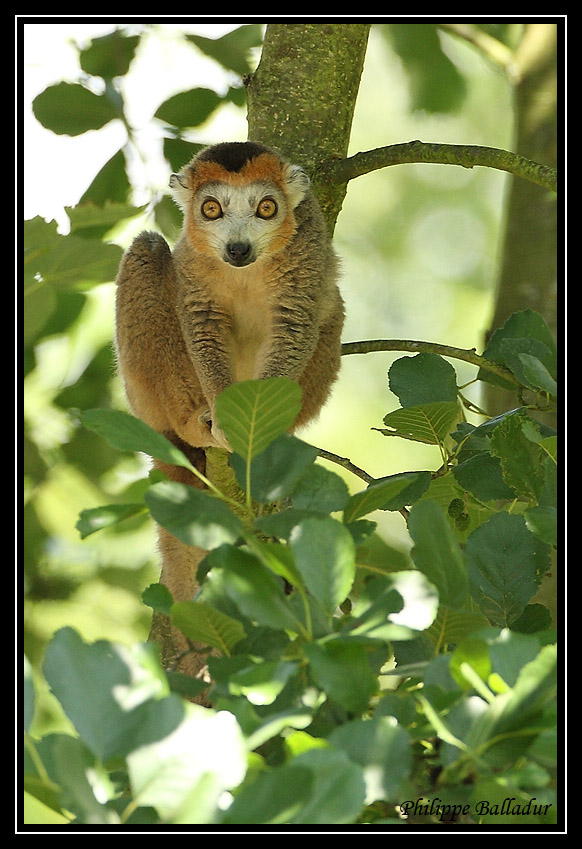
column 161, row 384
column 206, row 330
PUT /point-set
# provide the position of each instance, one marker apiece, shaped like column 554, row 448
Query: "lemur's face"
column 240, row 224
column 241, row 216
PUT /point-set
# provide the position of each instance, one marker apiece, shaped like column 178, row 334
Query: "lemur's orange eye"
column 267, row 208
column 211, row 209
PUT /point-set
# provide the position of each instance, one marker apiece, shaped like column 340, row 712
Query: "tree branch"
column 346, row 464
column 465, row 155
column 414, row 347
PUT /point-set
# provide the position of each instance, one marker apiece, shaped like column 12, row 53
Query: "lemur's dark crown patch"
column 233, row 156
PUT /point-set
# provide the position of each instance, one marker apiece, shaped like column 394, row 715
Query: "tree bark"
column 301, row 98
column 528, row 269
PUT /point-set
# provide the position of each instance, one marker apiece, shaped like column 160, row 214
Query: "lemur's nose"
column 239, row 253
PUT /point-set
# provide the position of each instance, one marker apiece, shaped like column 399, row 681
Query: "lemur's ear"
column 180, row 190
column 297, row 183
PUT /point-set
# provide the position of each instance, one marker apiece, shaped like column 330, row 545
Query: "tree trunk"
column 528, row 270
column 301, row 98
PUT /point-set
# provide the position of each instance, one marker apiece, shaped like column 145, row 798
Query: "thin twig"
column 490, row 47
column 414, row 347
column 347, row 464
column 466, row 155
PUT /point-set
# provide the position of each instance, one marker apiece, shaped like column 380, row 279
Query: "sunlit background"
column 418, row 244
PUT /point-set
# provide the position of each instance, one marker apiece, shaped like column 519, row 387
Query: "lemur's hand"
column 220, row 438
column 216, row 433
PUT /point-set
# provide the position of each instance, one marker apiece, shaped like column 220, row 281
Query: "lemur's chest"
column 251, row 330
column 246, row 298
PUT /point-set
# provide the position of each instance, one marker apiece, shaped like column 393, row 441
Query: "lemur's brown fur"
column 249, row 291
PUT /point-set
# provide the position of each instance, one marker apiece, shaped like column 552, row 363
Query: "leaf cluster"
column 342, row 686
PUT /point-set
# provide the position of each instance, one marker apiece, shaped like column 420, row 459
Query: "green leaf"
column 481, row 475
column 390, row 493
column 422, row 379
column 232, row 49
column 80, row 778
column 522, row 355
column 525, row 325
column 418, row 484
column 383, row 750
column 452, row 626
column 521, row 458
column 29, row 695
column 273, row 724
column 279, row 559
column 435, row 83
column 545, row 748
column 341, row 669
column 535, row 617
column 253, row 413
column 324, row 554
column 272, row 798
column 189, row 108
column 194, row 517
column 97, row 518
column 109, row 55
column 35, row 811
column 185, row 685
column 168, row 217
column 204, row 624
column 549, row 495
column 420, row 600
column 501, row 554
column 40, row 305
column 436, row 553
column 111, row 693
column 71, row 109
column 444, row 730
column 280, row 523
column 64, row 261
column 474, row 652
column 536, row 683
column 262, row 682
column 498, row 811
column 178, row 152
column 428, row 423
column 476, row 439
column 184, row 774
column 276, row 470
column 395, row 607
column 39, row 774
column 512, row 711
column 338, row 789
column 543, row 522
column 537, row 375
column 253, row 588
column 467, row 511
column 126, row 433
column 159, row 598
column 321, row 490
column 88, row 217
column 510, row 651
column 110, row 183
